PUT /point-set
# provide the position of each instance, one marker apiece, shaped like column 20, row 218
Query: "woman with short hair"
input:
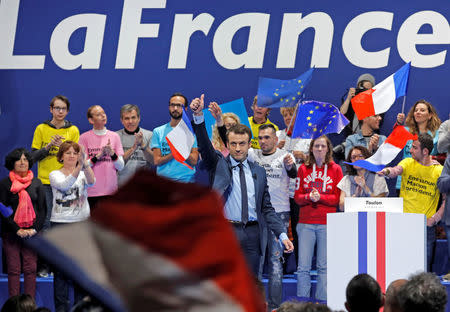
column 70, row 205
column 25, row 195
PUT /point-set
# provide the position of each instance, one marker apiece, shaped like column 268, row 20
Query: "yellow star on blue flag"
column 317, row 118
column 282, row 93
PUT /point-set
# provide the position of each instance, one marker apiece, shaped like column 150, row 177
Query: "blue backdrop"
column 90, row 52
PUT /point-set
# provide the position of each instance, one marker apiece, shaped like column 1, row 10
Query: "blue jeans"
column 275, row 294
column 309, row 235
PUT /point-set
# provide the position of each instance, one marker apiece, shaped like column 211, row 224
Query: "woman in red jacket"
column 316, row 194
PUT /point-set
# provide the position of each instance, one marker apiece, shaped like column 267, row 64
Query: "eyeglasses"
column 175, row 105
column 61, row 109
column 357, row 157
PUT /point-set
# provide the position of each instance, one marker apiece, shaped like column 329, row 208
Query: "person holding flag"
column 382, row 96
column 280, row 93
column 421, row 118
column 299, row 148
column 419, row 187
column 164, row 159
column 365, row 82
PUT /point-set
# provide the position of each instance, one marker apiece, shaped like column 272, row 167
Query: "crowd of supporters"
column 299, row 182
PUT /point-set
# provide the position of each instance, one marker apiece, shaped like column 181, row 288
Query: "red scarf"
column 25, row 215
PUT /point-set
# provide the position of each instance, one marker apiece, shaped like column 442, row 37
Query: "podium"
column 385, row 245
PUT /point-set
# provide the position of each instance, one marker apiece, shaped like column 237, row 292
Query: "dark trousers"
column 248, row 237
column 295, row 211
column 61, row 288
column 431, row 243
column 14, row 251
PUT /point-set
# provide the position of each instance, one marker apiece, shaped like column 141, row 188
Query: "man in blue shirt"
column 165, row 164
column 367, row 136
column 243, row 185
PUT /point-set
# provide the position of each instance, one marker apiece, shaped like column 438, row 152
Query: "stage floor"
column 44, row 292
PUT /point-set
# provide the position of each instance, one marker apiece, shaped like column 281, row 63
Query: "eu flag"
column 317, row 118
column 282, row 93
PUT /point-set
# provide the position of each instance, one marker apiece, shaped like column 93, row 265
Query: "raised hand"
column 197, row 105
column 351, row 93
column 400, row 118
column 216, row 111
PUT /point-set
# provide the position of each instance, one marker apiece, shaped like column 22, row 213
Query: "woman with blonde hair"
column 223, row 122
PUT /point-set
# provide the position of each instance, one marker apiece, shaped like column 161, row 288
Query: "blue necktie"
column 244, row 197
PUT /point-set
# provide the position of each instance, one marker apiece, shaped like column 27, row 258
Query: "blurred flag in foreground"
column 282, row 93
column 155, row 245
column 381, row 97
column 387, row 151
column 317, row 118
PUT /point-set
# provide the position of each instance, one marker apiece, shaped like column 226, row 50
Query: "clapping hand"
column 373, row 143
column 107, row 149
column 360, row 181
column 314, row 195
column 138, row 138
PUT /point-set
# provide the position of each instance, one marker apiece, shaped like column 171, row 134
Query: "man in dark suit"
column 243, row 185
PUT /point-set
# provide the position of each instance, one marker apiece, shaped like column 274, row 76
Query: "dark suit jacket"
column 220, row 178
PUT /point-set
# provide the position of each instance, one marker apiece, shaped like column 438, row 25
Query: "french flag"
column 180, row 140
column 381, row 97
column 387, row 151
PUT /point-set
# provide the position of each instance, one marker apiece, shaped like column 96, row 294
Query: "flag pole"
column 294, row 116
column 403, row 105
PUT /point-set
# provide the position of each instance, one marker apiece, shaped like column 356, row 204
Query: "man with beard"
column 419, row 187
column 280, row 167
column 165, row 164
